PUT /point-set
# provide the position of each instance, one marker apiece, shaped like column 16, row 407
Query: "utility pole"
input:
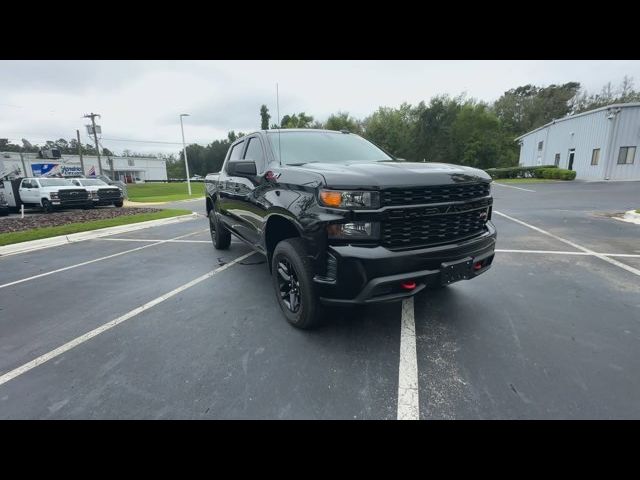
column 93, row 116
column 80, row 152
column 184, row 151
column 24, row 167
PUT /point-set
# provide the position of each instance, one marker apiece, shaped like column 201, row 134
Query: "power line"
column 140, row 141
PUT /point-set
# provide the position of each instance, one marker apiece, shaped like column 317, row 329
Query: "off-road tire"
column 292, row 253
column 220, row 236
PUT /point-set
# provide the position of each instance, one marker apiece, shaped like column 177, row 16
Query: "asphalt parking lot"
column 157, row 324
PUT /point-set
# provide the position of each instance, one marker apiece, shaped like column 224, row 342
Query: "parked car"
column 342, row 222
column 51, row 193
column 101, row 193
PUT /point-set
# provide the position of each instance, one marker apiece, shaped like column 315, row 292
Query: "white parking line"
column 16, row 282
column 149, row 240
column 109, row 325
column 511, row 186
column 408, row 406
column 601, row 256
column 557, row 252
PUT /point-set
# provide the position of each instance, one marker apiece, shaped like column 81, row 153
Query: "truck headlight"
column 354, row 230
column 349, row 199
column 53, row 195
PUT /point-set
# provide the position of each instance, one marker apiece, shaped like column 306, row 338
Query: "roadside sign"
column 90, row 129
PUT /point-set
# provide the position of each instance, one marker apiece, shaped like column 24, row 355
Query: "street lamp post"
column 184, row 151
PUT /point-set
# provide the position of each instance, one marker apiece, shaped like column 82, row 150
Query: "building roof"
column 589, row 112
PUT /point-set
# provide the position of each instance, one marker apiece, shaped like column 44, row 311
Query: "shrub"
column 543, row 171
column 556, row 173
column 517, row 172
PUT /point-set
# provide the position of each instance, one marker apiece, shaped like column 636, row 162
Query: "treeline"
column 66, row 147
column 457, row 130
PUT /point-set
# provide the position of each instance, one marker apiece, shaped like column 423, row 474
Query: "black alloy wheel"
column 289, row 284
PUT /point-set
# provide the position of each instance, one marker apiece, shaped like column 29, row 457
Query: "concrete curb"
column 24, row 247
column 631, row 216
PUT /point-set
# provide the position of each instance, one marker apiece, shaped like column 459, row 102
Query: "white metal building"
column 126, row 169
column 600, row 144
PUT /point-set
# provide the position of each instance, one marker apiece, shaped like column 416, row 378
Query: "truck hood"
column 95, row 188
column 377, row 175
column 62, row 187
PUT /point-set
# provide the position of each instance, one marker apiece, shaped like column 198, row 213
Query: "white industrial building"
column 600, row 144
column 125, row 169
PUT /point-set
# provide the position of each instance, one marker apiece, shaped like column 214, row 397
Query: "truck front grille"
column 419, row 227
column 434, row 194
column 108, row 194
column 73, row 195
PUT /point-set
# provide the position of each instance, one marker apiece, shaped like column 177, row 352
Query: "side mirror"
column 244, row 168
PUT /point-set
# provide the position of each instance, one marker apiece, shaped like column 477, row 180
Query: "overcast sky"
column 141, row 100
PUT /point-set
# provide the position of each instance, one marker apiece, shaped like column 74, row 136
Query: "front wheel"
column 292, row 273
column 220, row 236
column 47, row 206
column 118, row 204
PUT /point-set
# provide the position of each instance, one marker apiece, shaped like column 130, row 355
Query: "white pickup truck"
column 101, row 193
column 51, row 193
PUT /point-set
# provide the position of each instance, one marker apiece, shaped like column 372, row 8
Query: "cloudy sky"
column 141, row 100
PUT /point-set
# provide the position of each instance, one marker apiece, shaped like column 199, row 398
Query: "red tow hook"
column 408, row 285
column 477, row 266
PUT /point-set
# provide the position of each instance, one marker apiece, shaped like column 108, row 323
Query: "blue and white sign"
column 44, row 169
column 50, row 169
column 70, row 170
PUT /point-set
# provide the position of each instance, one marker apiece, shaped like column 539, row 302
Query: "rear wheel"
column 47, row 206
column 293, row 282
column 220, row 236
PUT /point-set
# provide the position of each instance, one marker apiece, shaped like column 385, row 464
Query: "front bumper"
column 364, row 275
column 105, row 201
column 70, row 203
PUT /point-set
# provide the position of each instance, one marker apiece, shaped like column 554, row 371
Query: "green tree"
column 394, row 129
column 433, row 133
column 264, row 117
column 479, row 140
column 7, row 146
column 528, row 107
column 342, row 121
column 608, row 95
column 300, row 120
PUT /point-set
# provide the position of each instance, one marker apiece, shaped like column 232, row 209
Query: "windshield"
column 54, row 182
column 91, row 182
column 326, row 147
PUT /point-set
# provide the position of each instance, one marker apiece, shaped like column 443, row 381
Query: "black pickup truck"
column 342, row 222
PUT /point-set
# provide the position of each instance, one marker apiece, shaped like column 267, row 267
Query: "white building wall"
column 627, row 135
column 584, row 133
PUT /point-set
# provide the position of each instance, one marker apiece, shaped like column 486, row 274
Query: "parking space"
column 551, row 331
